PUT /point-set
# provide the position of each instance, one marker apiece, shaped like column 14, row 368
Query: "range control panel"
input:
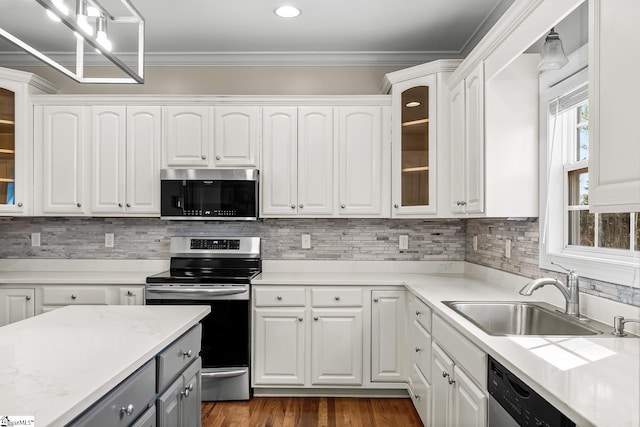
column 215, row 244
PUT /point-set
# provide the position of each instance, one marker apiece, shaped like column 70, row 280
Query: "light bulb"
column 287, row 11
column 101, row 35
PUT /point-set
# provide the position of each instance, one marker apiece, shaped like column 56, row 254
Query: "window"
column 599, row 246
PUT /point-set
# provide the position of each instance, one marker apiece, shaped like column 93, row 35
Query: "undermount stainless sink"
column 523, row 318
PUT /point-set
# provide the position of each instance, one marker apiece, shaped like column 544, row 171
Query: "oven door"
column 226, row 344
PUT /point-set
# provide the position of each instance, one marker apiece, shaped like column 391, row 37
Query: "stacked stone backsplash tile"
column 144, row 238
column 524, row 236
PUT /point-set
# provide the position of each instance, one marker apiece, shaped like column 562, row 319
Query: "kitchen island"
column 57, row 365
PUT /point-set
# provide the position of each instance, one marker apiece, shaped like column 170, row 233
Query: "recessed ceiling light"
column 287, row 11
column 412, row 104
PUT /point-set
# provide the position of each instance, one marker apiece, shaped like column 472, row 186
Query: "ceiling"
column 245, row 32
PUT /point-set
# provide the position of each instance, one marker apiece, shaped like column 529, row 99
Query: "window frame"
column 618, row 266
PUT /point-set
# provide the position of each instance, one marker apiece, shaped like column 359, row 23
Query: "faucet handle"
column 570, row 271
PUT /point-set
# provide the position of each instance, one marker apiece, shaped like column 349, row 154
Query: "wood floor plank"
column 311, row 412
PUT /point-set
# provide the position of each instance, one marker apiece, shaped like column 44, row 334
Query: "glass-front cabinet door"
column 414, row 157
column 7, row 147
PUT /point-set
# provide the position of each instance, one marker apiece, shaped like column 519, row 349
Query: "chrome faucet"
column 571, row 291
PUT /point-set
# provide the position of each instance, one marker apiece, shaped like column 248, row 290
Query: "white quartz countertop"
column 594, row 381
column 56, row 365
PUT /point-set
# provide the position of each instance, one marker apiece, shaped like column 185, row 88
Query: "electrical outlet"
column 403, row 242
column 475, row 243
column 507, row 248
column 35, row 239
column 306, row 241
column 108, row 240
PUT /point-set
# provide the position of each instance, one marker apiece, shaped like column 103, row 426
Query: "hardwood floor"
column 311, row 412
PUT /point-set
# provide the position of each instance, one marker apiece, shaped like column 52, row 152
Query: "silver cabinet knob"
column 444, row 374
column 217, row 157
column 73, row 296
column 396, row 206
column 293, row 206
column 128, row 410
column 203, row 157
column 418, row 313
column 119, row 205
column 187, row 353
column 337, row 298
column 375, row 299
column 279, row 298
column 19, row 204
column 79, row 205
column 342, row 206
column 28, row 298
column 187, row 390
column 301, row 206
column 128, row 205
column 300, row 319
column 451, row 380
column 131, row 294
column 315, row 318
column 416, row 396
column 418, row 349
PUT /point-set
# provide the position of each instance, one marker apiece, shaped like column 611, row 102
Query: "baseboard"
column 329, row 392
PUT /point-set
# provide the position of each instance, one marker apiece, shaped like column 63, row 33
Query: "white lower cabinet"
column 420, row 393
column 16, row 304
column 328, row 336
column 459, row 378
column 279, row 345
column 336, row 346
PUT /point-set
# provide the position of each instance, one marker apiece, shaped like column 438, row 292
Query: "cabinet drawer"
column 421, row 349
column 135, row 393
column 175, row 358
column 463, row 351
column 279, row 297
column 148, row 419
column 69, row 295
column 420, row 392
column 421, row 313
column 336, row 297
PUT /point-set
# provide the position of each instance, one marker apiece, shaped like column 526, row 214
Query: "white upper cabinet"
column 297, row 161
column 60, row 150
column 236, row 136
column 363, row 161
column 16, row 132
column 614, row 147
column 187, row 138
column 199, row 136
column 494, row 141
column 125, row 160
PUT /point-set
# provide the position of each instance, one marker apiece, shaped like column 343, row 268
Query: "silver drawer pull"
column 131, row 294
column 73, row 296
column 187, row 353
column 418, row 313
column 279, row 298
column 444, row 374
column 127, row 410
column 187, row 390
column 337, row 298
column 451, row 380
column 300, row 319
column 416, row 396
column 418, row 349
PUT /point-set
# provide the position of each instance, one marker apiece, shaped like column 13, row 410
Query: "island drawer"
column 175, row 358
column 280, row 297
column 124, row 403
column 70, row 295
column 336, row 297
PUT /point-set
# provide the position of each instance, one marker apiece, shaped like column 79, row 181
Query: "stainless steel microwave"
column 209, row 194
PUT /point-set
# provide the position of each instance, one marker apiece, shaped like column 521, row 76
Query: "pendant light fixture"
column 89, row 24
column 553, row 56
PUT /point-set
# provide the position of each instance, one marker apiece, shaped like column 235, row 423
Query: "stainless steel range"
column 215, row 271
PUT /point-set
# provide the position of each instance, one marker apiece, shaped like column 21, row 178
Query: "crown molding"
column 381, row 58
column 439, row 66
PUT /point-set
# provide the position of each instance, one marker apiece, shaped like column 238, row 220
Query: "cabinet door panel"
column 144, row 134
column 187, row 139
column 474, row 155
column 236, row 136
column 442, row 391
column 336, row 347
column 191, row 401
column 168, row 405
column 17, row 304
column 315, row 161
column 279, row 346
column 458, row 134
column 108, row 143
column 64, row 134
column 131, row 296
column 360, row 153
column 279, row 161
column 388, row 358
column 470, row 403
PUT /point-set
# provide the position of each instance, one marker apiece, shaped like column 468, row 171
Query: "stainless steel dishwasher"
column 513, row 403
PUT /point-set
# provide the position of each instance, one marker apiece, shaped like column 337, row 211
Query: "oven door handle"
column 191, row 291
column 224, row 374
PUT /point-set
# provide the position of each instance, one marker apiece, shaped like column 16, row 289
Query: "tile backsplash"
column 331, row 239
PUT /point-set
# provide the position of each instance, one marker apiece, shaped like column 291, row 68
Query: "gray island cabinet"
column 104, row 365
